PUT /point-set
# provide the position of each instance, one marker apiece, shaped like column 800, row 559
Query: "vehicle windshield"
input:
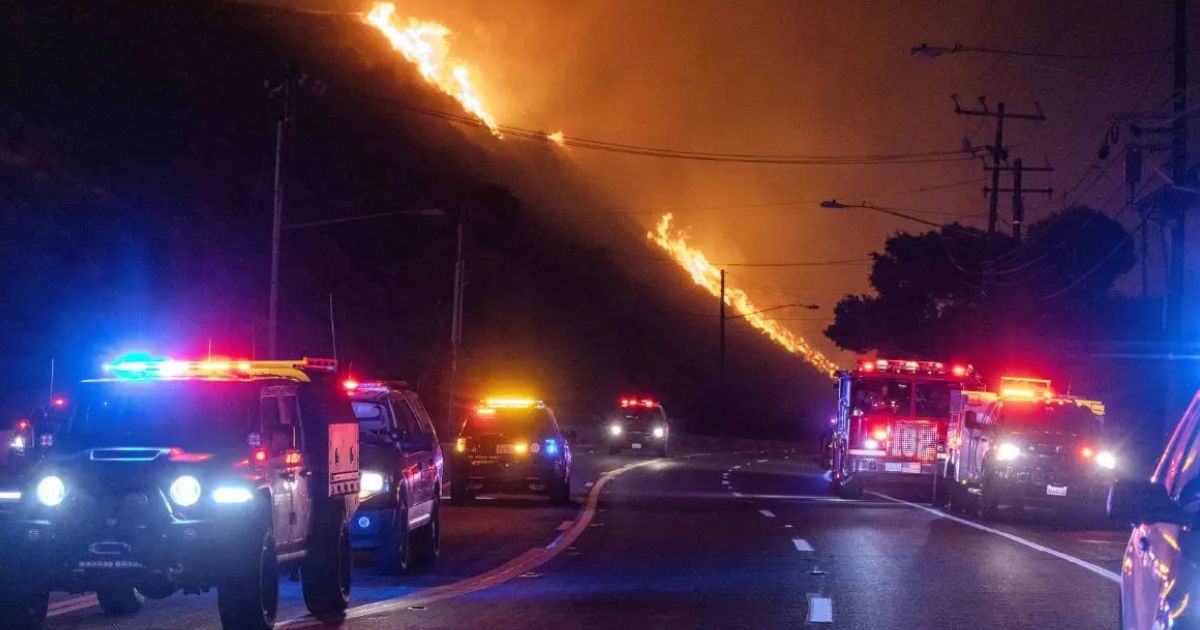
column 643, row 415
column 882, row 396
column 933, row 399
column 372, row 416
column 192, row 415
column 1034, row 416
column 523, row 423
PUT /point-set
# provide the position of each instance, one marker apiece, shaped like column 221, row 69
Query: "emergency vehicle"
column 511, row 445
column 640, row 424
column 1026, row 446
column 892, row 420
column 188, row 475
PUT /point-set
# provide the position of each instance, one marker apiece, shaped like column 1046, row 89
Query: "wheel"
column 560, row 491
column 248, row 594
column 23, row 607
column 120, row 599
column 395, row 556
column 427, row 542
column 459, row 493
column 613, row 450
column 325, row 571
column 851, row 488
column 986, row 506
column 954, row 497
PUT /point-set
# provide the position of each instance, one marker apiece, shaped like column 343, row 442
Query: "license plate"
column 504, row 449
column 1056, row 491
column 635, row 446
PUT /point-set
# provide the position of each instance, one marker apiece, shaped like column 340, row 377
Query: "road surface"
column 715, row 540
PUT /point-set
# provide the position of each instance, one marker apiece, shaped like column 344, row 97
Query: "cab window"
column 423, row 420
column 883, row 396
column 278, row 435
column 933, row 399
column 406, row 420
column 372, row 417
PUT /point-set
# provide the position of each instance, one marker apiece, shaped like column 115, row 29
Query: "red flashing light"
column 485, row 411
column 350, row 384
column 22, row 425
column 180, row 455
column 959, row 370
column 1086, row 452
column 867, row 366
column 880, row 434
column 636, row 402
column 292, row 458
column 260, row 455
column 60, row 402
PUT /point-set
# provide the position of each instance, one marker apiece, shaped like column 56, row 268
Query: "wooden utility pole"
column 1018, row 191
column 722, row 327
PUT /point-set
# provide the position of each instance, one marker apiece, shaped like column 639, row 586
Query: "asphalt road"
column 721, row 540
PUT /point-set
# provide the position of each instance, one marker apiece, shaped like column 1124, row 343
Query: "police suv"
column 511, row 445
column 188, row 475
column 640, row 424
column 399, row 517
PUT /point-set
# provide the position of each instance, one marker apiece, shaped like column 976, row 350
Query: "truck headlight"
column 1007, row 451
column 185, row 491
column 370, row 483
column 51, row 491
column 659, row 432
column 1106, row 460
column 614, row 429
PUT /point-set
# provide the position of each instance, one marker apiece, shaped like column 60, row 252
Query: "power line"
column 925, row 50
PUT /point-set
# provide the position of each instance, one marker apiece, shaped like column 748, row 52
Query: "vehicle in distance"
column 641, row 424
column 1159, row 579
column 511, row 445
column 892, row 421
column 188, row 475
column 1027, row 447
column 399, row 515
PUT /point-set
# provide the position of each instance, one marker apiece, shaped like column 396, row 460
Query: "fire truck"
column 892, row 421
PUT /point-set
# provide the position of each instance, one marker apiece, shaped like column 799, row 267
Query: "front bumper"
column 1085, row 491
column 870, row 467
column 186, row 553
column 637, row 440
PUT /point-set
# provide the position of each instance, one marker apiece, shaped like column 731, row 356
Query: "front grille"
column 915, row 440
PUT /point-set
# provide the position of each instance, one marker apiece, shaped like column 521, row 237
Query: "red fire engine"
column 892, row 420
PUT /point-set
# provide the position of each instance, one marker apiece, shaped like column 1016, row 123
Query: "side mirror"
column 1136, row 501
column 971, row 420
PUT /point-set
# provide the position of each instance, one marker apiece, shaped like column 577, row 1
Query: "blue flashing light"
column 551, row 447
column 139, row 365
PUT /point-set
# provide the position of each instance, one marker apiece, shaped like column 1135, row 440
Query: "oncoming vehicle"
column 1027, row 447
column 1160, row 580
column 511, row 445
column 892, row 421
column 641, row 424
column 399, row 517
column 188, row 475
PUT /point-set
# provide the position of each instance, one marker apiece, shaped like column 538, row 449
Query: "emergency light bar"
column 143, row 367
column 1021, row 387
column 512, row 403
column 903, row 366
column 638, row 402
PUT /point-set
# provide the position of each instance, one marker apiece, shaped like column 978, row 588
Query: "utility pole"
column 1180, row 198
column 277, row 216
column 1018, row 190
column 999, row 156
column 722, row 327
column 456, row 318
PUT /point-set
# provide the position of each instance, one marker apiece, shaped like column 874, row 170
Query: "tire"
column 986, row 506
column 22, row 607
column 954, row 496
column 248, row 594
column 614, row 450
column 427, row 543
column 326, row 571
column 560, row 491
column 120, row 599
column 395, row 556
column 851, row 488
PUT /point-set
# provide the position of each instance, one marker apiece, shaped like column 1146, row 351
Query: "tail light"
column 460, row 445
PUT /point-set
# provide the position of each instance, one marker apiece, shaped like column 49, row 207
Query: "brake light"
column 22, row 425
column 460, row 445
column 350, row 384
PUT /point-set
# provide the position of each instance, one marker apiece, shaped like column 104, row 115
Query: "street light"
column 834, row 204
column 925, row 50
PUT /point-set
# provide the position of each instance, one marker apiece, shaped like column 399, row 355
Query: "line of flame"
column 703, row 273
column 426, row 45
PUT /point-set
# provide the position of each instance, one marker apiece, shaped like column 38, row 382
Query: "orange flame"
column 427, row 46
column 674, row 241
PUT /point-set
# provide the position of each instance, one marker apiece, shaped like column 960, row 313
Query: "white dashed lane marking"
column 801, row 544
column 767, row 513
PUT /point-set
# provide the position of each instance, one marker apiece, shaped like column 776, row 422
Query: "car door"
column 1154, row 548
column 297, row 466
column 276, row 442
column 413, row 456
column 431, row 451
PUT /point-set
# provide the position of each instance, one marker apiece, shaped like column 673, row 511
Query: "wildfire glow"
column 427, row 46
column 557, row 138
column 674, row 241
